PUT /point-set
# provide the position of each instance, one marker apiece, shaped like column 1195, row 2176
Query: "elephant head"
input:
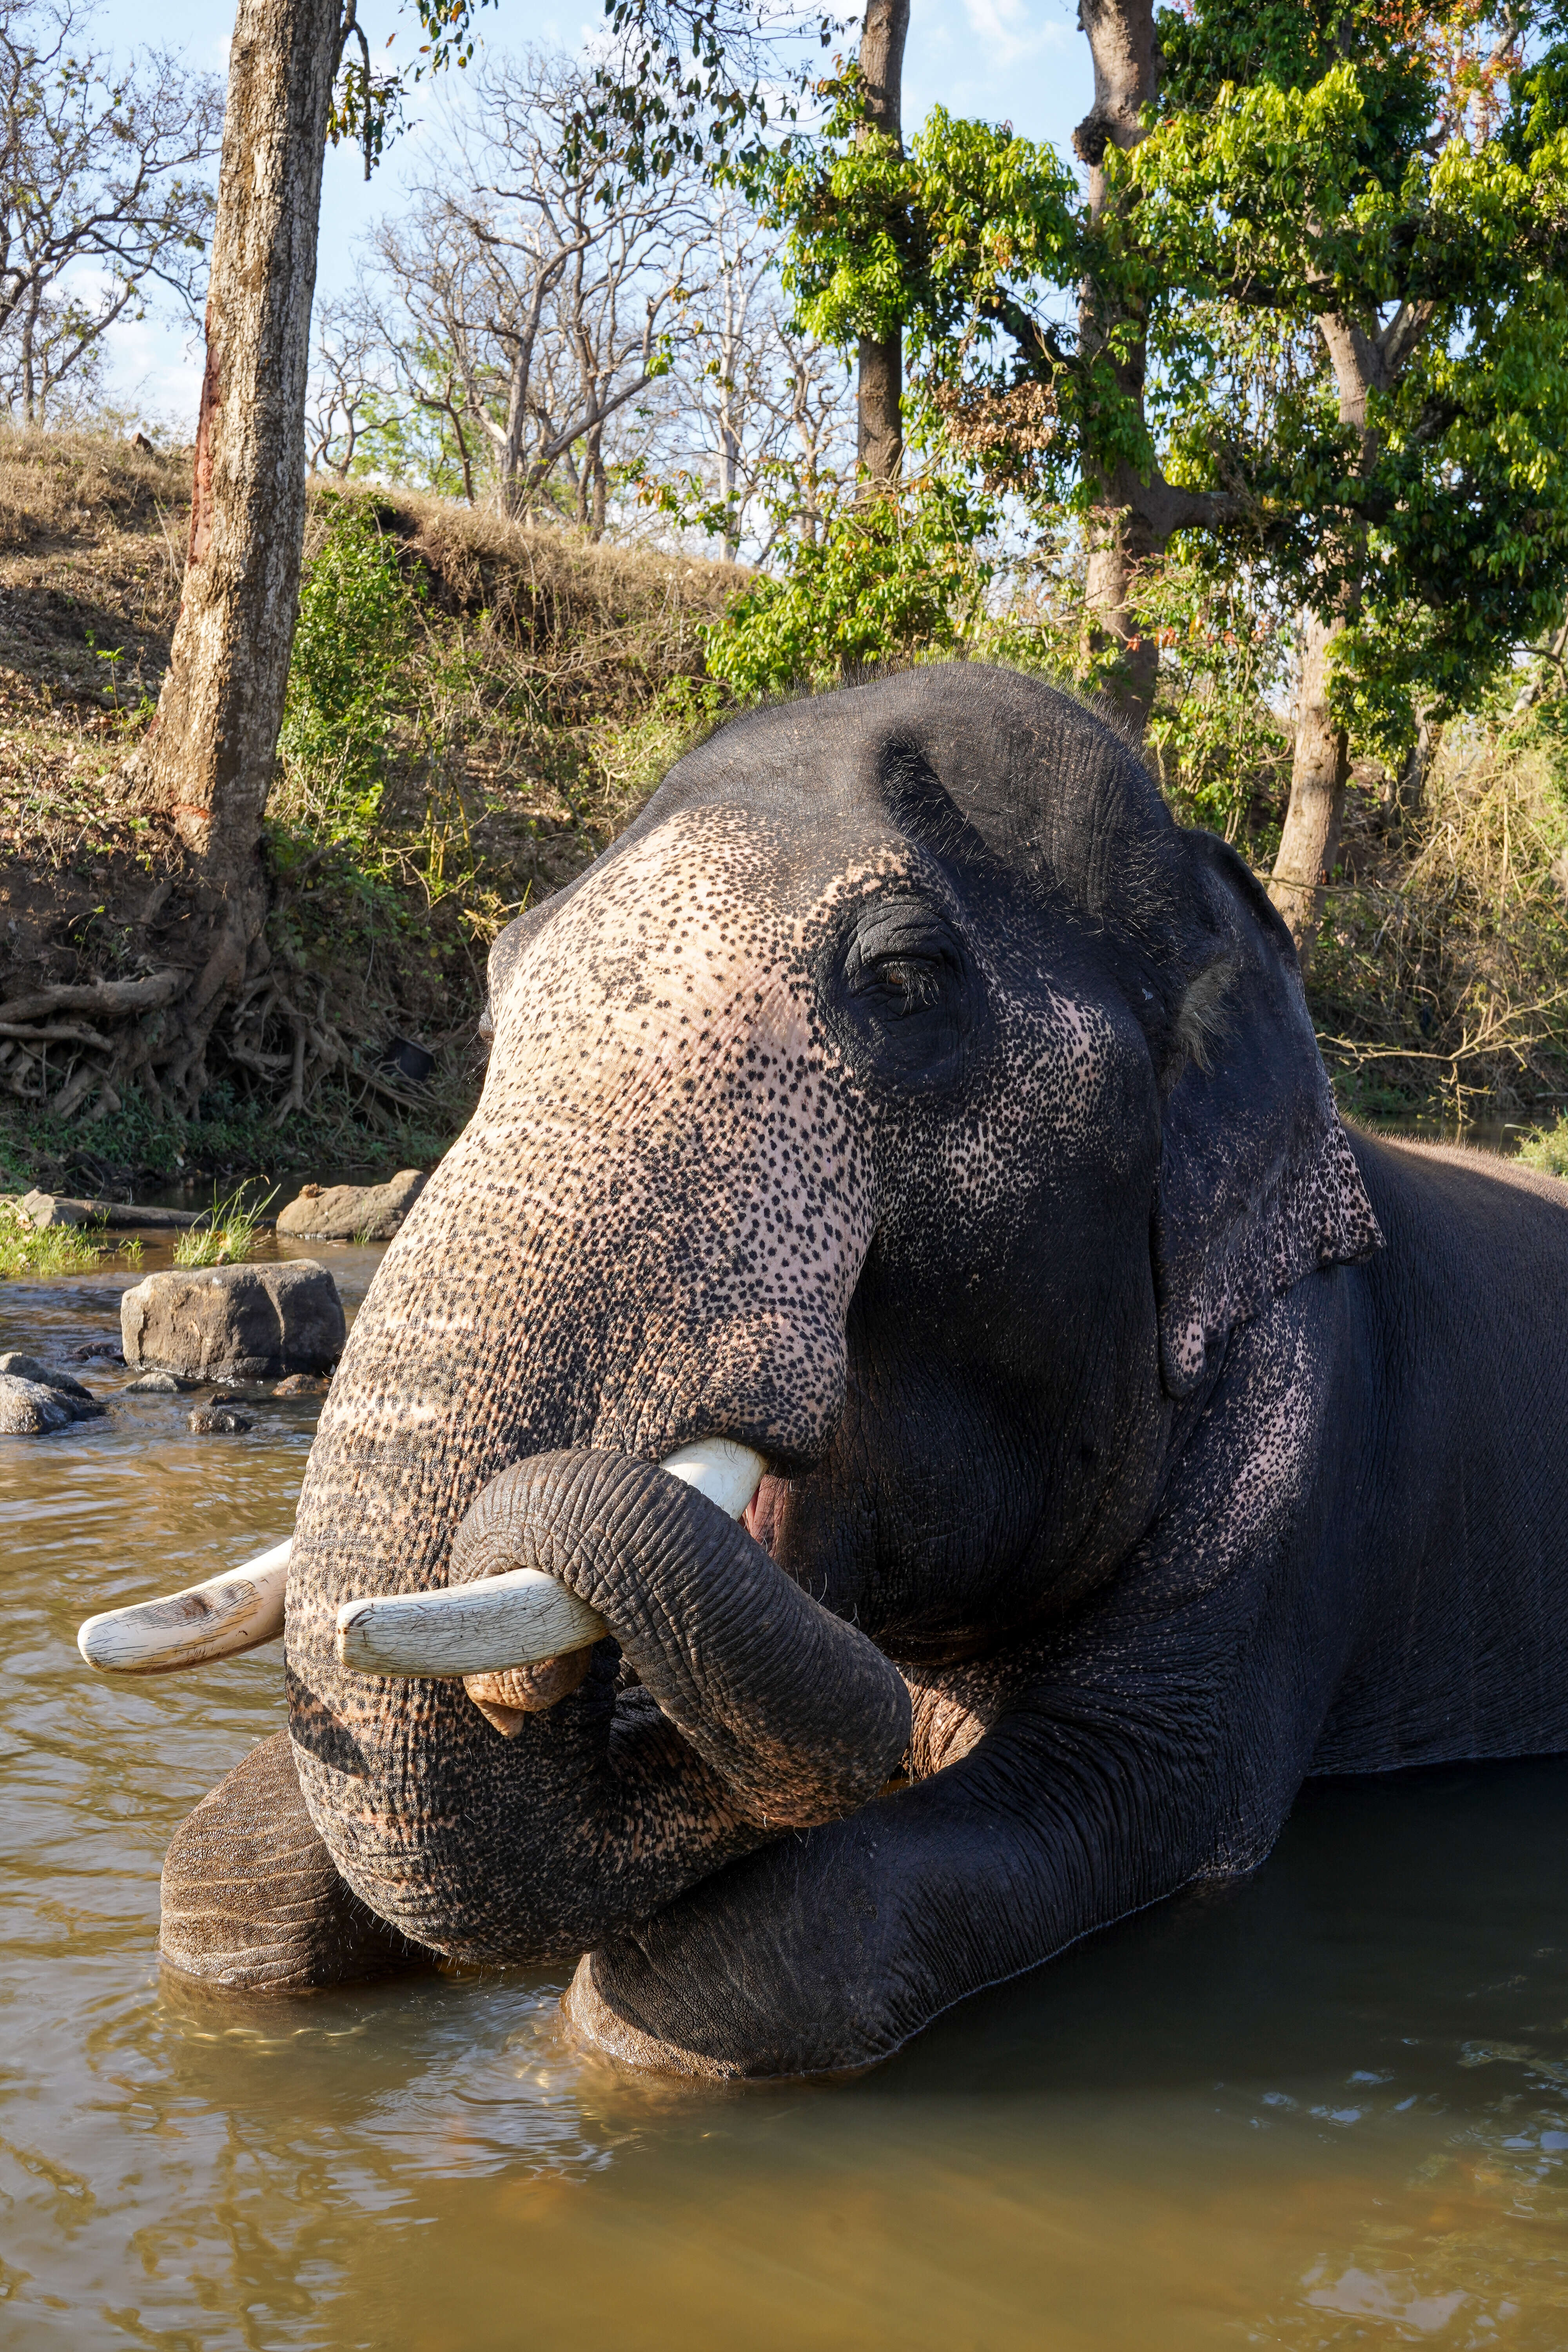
column 908, row 1101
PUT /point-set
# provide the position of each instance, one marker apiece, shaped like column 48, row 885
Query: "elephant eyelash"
column 918, row 984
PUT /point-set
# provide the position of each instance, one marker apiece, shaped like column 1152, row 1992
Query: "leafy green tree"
column 1309, row 313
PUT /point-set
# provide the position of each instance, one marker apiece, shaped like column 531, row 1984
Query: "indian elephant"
column 907, row 1100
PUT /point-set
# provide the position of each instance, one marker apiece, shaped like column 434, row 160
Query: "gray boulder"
column 234, row 1322
column 347, row 1213
column 80, row 1403
column 28, row 1368
column 30, row 1409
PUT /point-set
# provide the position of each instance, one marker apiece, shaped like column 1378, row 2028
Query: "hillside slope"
column 543, row 683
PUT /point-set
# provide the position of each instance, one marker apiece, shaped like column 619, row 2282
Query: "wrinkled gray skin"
column 907, row 1096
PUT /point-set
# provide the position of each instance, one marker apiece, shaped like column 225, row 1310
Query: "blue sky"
column 1023, row 61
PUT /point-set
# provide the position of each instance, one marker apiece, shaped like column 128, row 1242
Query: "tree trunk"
column 1320, row 764
column 880, row 430
column 1310, row 841
column 209, row 757
column 1126, row 56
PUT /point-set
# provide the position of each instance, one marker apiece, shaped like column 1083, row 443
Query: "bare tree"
column 749, row 405
column 543, row 299
column 350, row 389
column 103, row 195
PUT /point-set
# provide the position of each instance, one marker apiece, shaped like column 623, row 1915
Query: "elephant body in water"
column 907, row 1099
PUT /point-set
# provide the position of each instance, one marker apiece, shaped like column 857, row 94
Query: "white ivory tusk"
column 237, row 1611
column 728, row 1474
column 517, row 1618
column 466, row 1629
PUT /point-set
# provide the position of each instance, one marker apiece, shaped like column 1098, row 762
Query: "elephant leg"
column 251, row 1898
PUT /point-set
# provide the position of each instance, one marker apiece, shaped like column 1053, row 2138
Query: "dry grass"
column 92, row 535
column 1441, row 975
column 554, row 682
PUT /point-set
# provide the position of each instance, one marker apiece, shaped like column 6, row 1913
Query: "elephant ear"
column 1258, row 1185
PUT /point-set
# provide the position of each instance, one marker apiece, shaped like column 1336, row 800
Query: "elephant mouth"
column 495, row 1620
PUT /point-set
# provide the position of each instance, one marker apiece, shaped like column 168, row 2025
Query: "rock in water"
column 347, row 1213
column 81, row 1402
column 234, row 1322
column 218, row 1421
column 47, row 1209
column 28, row 1368
column 155, row 1384
column 29, row 1409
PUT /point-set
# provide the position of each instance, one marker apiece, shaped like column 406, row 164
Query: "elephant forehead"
column 684, row 938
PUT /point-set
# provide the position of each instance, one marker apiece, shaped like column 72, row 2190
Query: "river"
column 1327, row 2107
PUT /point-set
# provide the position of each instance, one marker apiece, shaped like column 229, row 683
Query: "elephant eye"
column 904, row 995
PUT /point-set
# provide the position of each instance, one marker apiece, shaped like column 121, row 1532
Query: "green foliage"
column 1400, row 174
column 355, row 625
column 890, row 577
column 1442, row 530
column 26, row 1248
column 228, row 1236
column 1546, row 1148
column 1219, row 747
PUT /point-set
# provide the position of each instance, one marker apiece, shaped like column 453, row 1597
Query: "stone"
column 299, row 1384
column 30, row 1409
column 48, row 1209
column 80, row 1403
column 234, row 1322
column 99, row 1351
column 155, row 1384
column 218, row 1421
column 347, row 1213
column 28, row 1368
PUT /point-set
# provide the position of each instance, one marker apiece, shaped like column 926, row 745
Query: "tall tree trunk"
column 208, row 756
column 1320, row 767
column 1126, row 56
column 879, row 429
column 1310, row 841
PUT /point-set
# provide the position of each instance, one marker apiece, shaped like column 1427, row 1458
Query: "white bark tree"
column 105, row 198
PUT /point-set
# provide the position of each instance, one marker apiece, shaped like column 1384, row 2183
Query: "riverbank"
column 525, row 691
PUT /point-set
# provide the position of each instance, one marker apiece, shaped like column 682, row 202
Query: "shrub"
column 345, row 677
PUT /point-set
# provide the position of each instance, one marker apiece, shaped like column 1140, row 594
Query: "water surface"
column 1325, row 2108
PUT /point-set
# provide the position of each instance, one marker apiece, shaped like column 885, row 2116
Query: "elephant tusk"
column 517, row 1618
column 229, row 1613
column 728, row 1474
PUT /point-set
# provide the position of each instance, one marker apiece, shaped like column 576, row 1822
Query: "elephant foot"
column 252, row 1900
column 666, row 2003
column 610, row 2033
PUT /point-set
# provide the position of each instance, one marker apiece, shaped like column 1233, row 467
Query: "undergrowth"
column 228, row 1232
column 1440, row 976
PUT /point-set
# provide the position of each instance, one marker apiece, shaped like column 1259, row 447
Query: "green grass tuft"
column 230, row 1235
column 27, row 1248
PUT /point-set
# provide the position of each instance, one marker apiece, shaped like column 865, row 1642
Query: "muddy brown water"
column 1325, row 2108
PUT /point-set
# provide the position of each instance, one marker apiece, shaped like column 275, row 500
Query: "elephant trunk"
column 758, row 1711
column 802, row 1717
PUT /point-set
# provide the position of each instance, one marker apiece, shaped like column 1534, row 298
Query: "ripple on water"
column 1326, row 2108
